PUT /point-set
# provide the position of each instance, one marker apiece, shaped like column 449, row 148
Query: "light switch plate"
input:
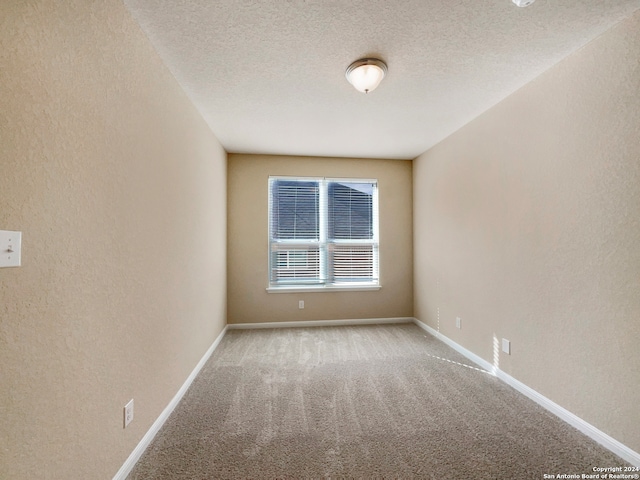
column 10, row 248
column 506, row 346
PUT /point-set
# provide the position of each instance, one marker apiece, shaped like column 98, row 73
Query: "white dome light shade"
column 366, row 74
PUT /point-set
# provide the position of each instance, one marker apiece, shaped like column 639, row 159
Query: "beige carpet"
column 384, row 401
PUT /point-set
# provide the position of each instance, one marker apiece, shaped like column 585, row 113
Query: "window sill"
column 318, row 288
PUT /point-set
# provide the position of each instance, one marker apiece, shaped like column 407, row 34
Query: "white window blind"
column 323, row 232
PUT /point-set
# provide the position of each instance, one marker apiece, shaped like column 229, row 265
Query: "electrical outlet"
column 458, row 322
column 506, row 346
column 128, row 413
column 301, row 304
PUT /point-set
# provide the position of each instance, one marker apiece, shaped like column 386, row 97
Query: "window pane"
column 294, row 210
column 299, row 264
column 350, row 211
column 352, row 263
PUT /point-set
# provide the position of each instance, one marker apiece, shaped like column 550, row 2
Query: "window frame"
column 322, row 283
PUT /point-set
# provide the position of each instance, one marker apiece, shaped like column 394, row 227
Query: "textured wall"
column 527, row 227
column 119, row 188
column 248, row 247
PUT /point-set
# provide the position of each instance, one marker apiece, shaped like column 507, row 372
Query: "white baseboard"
column 481, row 362
column 589, row 430
column 320, row 323
column 155, row 428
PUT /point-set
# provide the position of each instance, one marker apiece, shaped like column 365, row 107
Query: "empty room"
column 319, row 239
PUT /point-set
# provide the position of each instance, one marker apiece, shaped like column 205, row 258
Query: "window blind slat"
column 294, row 210
column 350, row 210
column 299, row 264
column 352, row 263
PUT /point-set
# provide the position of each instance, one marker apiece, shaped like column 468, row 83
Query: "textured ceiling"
column 268, row 76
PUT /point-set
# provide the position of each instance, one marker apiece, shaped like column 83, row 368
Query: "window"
column 323, row 233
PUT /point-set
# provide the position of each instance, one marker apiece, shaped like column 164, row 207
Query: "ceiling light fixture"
column 366, row 74
column 523, row 3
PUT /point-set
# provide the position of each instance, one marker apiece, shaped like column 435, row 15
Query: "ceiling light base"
column 366, row 74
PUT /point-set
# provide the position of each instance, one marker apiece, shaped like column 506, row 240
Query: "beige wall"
column 527, row 226
column 248, row 300
column 119, row 189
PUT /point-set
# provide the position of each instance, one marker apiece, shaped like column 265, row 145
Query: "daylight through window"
column 323, row 232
